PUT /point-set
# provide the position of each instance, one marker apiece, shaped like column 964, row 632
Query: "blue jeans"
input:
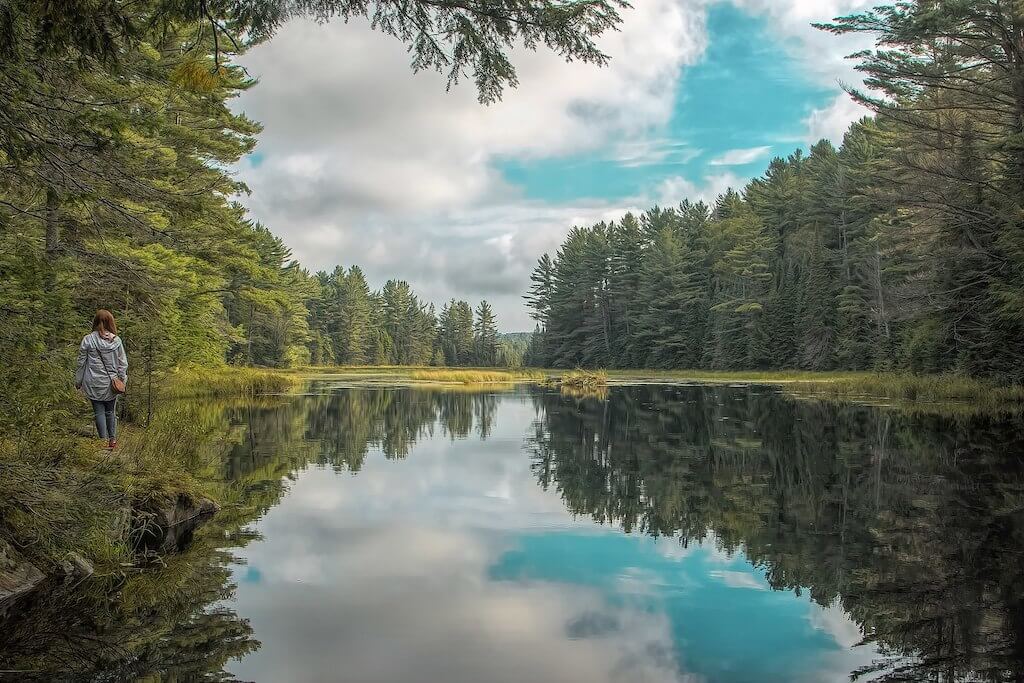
column 106, row 418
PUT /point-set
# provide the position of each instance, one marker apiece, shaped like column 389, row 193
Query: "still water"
column 657, row 534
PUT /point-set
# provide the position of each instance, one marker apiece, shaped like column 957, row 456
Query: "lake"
column 658, row 533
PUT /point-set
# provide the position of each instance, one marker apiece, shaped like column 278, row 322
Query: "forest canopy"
column 900, row 250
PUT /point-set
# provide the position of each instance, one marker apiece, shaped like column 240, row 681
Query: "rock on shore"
column 17, row 576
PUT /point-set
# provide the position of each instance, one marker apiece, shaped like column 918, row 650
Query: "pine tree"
column 355, row 318
column 672, row 281
column 485, row 336
column 624, row 283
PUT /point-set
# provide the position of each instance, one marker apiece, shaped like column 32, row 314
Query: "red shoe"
column 112, row 444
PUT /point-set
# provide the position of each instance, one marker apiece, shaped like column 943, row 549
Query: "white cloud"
column 635, row 153
column 821, row 54
column 834, row 621
column 363, row 162
column 740, row 157
column 734, row 579
column 673, row 190
column 832, row 122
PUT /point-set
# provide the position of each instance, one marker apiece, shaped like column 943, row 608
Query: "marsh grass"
column 195, row 382
column 584, row 379
column 891, row 386
column 476, row 376
column 907, row 389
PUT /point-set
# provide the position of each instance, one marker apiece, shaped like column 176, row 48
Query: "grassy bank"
column 62, row 492
column 894, row 386
column 231, row 382
column 838, row 385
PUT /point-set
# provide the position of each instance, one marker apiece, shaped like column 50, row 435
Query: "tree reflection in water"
column 913, row 522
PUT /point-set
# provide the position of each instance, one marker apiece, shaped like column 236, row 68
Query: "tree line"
column 900, row 250
column 352, row 325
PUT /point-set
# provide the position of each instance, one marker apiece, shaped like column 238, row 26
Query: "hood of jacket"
column 103, row 343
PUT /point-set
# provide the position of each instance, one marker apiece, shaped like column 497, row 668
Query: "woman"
column 101, row 359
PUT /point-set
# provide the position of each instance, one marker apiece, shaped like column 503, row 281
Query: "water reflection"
column 914, row 524
column 766, row 537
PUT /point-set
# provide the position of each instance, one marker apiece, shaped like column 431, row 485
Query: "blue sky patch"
column 747, row 95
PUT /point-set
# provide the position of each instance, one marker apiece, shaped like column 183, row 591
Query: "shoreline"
column 839, row 385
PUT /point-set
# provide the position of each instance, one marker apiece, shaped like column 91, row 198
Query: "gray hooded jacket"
column 92, row 377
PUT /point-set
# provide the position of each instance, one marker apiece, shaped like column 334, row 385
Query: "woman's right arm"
column 83, row 354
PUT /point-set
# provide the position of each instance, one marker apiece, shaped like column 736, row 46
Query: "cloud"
column 832, row 122
column 663, row 152
column 361, row 161
column 740, row 157
column 673, row 190
column 734, row 579
column 822, row 55
column 837, row 623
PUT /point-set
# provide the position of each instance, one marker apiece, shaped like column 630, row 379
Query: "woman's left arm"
column 122, row 363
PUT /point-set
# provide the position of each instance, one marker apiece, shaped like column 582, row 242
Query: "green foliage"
column 853, row 258
column 394, row 327
column 449, row 36
column 455, row 334
column 485, row 336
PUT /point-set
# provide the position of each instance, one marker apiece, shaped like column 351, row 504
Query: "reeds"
column 476, row 376
column 583, row 379
column 196, row 382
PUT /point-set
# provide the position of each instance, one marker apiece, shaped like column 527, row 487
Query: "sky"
column 363, row 162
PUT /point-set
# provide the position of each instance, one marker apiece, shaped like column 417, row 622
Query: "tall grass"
column 930, row 388
column 584, row 379
column 194, row 382
column 475, row 376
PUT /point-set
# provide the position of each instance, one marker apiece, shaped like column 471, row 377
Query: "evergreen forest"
column 900, row 250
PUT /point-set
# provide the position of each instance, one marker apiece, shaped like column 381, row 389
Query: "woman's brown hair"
column 104, row 322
